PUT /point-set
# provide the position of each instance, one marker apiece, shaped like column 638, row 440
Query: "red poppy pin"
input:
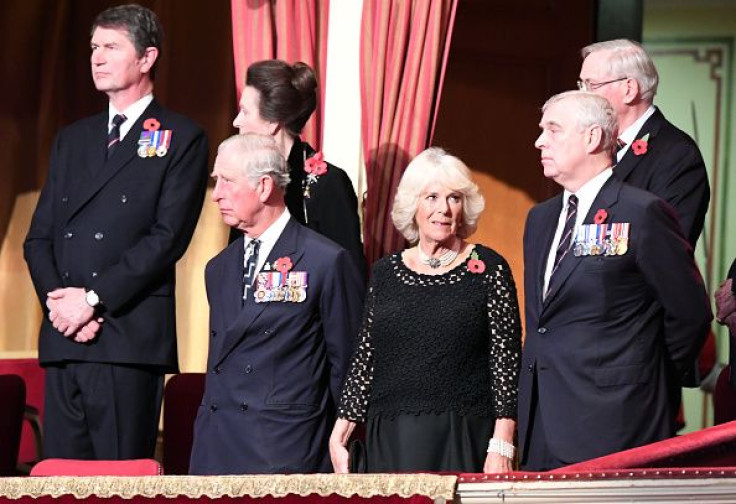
column 641, row 145
column 151, row 124
column 316, row 165
column 283, row 264
column 600, row 216
column 475, row 265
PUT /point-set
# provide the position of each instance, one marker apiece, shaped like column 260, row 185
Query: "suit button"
column 99, row 236
column 244, row 407
column 213, row 408
column 267, row 332
column 217, row 370
column 68, row 235
column 530, row 367
column 123, row 198
column 64, row 199
column 248, row 369
column 542, row 330
column 213, row 333
column 94, row 274
column 65, row 275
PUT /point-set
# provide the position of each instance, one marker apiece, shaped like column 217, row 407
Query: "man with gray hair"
column 285, row 305
column 652, row 153
column 604, row 312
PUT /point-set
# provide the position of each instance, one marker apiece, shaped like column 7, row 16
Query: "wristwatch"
column 92, row 298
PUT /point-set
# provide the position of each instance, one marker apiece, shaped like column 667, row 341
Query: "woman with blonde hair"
column 434, row 376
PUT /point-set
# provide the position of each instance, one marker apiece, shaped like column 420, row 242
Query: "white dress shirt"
column 132, row 113
column 629, row 134
column 268, row 239
column 586, row 194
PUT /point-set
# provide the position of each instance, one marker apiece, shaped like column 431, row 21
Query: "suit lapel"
column 286, row 245
column 548, row 222
column 103, row 170
column 606, row 199
column 630, row 160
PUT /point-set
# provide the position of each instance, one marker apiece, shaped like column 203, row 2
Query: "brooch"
column 315, row 167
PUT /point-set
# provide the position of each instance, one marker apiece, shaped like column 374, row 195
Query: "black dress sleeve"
column 504, row 327
column 357, row 388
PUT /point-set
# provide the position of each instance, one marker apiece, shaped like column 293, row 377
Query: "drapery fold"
column 290, row 30
column 404, row 48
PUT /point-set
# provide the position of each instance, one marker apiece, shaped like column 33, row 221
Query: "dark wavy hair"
column 288, row 93
column 142, row 24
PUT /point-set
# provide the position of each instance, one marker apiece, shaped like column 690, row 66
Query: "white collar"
column 587, row 194
column 269, row 237
column 131, row 113
column 630, row 133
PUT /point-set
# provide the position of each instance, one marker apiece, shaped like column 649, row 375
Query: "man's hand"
column 725, row 302
column 89, row 331
column 68, row 309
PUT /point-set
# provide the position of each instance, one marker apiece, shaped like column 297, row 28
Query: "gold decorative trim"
column 344, row 485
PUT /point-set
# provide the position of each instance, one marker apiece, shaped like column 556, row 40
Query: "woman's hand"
column 496, row 463
column 338, row 445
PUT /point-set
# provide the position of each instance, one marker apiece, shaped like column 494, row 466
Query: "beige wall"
column 21, row 314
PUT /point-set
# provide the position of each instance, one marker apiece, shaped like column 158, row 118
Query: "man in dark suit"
column 612, row 297
column 122, row 199
column 654, row 155
column 285, row 305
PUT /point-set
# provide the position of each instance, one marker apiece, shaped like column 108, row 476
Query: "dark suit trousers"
column 100, row 411
column 537, row 455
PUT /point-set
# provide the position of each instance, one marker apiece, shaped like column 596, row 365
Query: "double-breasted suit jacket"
column 673, row 169
column 118, row 226
column 275, row 369
column 600, row 342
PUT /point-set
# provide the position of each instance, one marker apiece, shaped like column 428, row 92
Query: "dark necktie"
column 249, row 266
column 566, row 240
column 620, row 144
column 113, row 138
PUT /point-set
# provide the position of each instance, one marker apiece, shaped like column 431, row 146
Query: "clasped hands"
column 726, row 306
column 71, row 315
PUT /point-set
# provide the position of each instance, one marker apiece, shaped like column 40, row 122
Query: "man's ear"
column 593, row 139
column 265, row 188
column 150, row 55
column 631, row 92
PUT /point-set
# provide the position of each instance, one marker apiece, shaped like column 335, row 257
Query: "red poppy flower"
column 316, row 165
column 283, row 264
column 600, row 216
column 476, row 266
column 151, row 124
column 639, row 147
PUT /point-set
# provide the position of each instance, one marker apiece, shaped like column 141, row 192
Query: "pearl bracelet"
column 501, row 447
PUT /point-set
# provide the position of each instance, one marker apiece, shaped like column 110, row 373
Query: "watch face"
column 92, row 298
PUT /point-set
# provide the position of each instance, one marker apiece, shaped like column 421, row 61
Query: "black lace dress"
column 437, row 362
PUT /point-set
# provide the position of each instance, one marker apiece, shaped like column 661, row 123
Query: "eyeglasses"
column 586, row 85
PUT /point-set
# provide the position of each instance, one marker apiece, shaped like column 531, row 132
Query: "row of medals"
column 609, row 247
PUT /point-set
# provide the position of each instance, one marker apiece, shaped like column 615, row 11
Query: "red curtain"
column 291, row 30
column 404, row 47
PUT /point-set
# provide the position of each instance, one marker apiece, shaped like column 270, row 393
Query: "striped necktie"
column 250, row 262
column 566, row 240
column 113, row 137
